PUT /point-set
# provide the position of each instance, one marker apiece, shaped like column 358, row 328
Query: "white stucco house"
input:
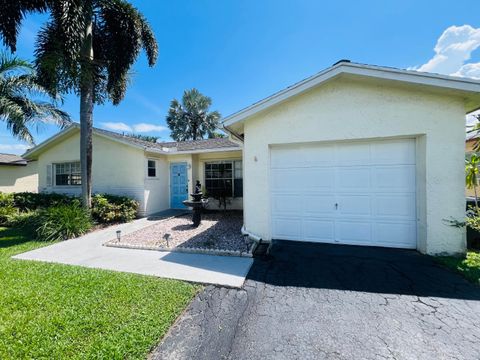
column 358, row 154
column 17, row 174
column 159, row 175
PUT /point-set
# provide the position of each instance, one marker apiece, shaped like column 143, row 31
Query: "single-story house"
column 358, row 154
column 17, row 174
column 159, row 175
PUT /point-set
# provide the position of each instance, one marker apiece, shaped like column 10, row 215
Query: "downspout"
column 257, row 240
column 250, row 235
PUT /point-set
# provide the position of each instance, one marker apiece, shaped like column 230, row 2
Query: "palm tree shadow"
column 13, row 236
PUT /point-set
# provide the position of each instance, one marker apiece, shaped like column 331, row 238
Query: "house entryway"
column 178, row 185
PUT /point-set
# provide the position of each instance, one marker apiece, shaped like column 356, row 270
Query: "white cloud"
column 116, row 126
column 135, row 128
column 453, row 49
column 145, row 128
column 147, row 103
column 14, row 148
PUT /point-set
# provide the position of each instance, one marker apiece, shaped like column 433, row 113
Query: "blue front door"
column 178, row 185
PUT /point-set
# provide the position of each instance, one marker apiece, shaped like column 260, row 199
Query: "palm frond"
column 123, row 32
column 13, row 12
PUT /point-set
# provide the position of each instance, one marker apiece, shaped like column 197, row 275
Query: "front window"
column 224, row 178
column 152, row 168
column 68, row 174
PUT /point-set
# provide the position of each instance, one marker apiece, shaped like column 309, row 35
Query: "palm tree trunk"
column 86, row 111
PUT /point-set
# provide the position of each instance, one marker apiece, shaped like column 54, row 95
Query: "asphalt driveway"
column 333, row 302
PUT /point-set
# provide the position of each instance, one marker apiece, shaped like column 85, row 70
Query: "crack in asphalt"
column 320, row 302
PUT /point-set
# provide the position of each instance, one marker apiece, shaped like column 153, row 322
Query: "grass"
column 58, row 311
column 469, row 266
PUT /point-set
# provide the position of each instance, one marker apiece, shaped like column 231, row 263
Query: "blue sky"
column 238, row 52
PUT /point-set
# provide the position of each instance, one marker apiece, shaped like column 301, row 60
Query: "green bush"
column 6, row 199
column 112, row 209
column 26, row 201
column 7, row 213
column 62, row 222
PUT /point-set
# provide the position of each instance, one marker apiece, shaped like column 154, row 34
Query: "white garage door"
column 360, row 193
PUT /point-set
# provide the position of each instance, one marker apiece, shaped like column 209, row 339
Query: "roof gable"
column 469, row 88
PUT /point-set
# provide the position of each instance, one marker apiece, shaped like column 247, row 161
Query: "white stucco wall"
column 116, row 169
column 157, row 189
column 346, row 109
column 19, row 178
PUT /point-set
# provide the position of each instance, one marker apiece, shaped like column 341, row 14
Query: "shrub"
column 62, row 222
column 6, row 199
column 111, row 208
column 32, row 201
column 7, row 213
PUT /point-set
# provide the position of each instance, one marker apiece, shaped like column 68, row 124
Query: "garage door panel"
column 287, row 204
column 400, row 151
column 319, row 205
column 357, row 205
column 318, row 156
column 350, row 232
column 319, row 230
column 303, row 156
column 285, row 180
column 288, row 228
column 393, row 178
column 353, row 154
column 286, row 157
column 399, row 206
column 353, row 178
column 395, row 234
column 317, row 179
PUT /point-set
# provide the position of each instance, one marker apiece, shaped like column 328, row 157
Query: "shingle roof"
column 12, row 159
column 193, row 145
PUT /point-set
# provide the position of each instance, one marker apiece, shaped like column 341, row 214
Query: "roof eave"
column 464, row 85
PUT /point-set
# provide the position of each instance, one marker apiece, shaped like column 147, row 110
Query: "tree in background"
column 21, row 104
column 148, row 138
column 86, row 47
column 471, row 174
column 191, row 119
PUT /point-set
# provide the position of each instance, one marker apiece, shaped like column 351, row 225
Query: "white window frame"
column 156, row 169
column 234, row 173
column 54, row 171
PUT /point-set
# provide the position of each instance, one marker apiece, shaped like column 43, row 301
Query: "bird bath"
column 197, row 203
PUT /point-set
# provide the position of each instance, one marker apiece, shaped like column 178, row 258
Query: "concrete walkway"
column 88, row 251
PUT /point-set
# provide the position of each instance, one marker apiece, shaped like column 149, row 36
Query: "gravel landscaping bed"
column 219, row 232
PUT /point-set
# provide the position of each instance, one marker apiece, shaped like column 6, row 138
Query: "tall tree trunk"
column 86, row 110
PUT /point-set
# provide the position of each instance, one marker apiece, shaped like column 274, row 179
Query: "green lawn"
column 468, row 266
column 67, row 312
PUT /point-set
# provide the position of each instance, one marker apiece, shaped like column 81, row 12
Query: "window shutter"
column 49, row 175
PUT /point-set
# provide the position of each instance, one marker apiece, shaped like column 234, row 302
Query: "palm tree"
column 191, row 120
column 20, row 99
column 86, row 47
column 471, row 175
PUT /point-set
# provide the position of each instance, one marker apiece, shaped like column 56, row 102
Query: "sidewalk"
column 88, row 251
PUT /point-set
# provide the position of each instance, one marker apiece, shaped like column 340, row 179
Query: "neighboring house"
column 159, row 175
column 17, row 174
column 358, row 154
